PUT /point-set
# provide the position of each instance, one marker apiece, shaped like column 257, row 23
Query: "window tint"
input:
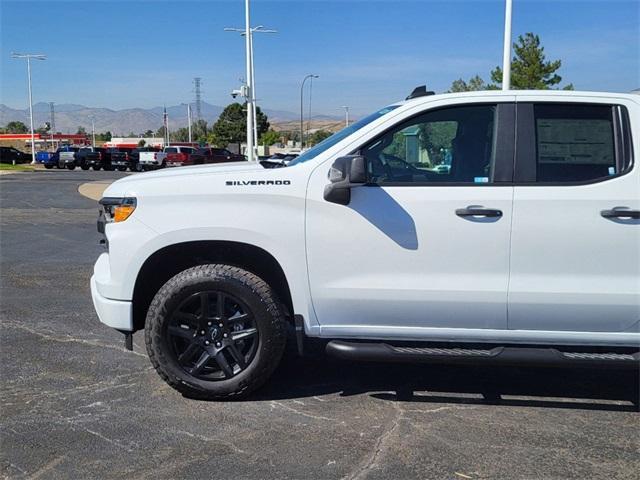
column 574, row 143
column 170, row 150
column 451, row 145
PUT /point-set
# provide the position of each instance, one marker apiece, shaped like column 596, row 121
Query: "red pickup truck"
column 178, row 156
column 214, row 155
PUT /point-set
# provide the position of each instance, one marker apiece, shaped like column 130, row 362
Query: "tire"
column 96, row 168
column 71, row 167
column 255, row 324
column 122, row 169
column 84, row 167
column 136, row 168
column 48, row 166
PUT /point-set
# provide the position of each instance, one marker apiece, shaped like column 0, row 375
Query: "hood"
column 208, row 169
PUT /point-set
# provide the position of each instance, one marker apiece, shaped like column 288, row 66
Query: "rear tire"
column 96, row 168
column 48, row 166
column 71, row 167
column 224, row 362
column 84, row 167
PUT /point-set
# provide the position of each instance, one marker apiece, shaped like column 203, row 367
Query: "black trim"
column 525, row 160
column 505, row 355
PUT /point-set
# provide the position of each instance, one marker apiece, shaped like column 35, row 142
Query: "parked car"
column 11, row 155
column 178, row 156
column 152, row 159
column 121, row 158
column 91, row 157
column 43, row 156
column 524, row 252
column 63, row 157
column 135, row 157
column 214, row 155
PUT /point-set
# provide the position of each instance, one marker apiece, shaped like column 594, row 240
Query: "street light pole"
column 29, row 56
column 346, row 113
column 247, row 33
column 311, row 75
column 93, row 131
column 189, row 119
column 506, row 54
column 251, row 78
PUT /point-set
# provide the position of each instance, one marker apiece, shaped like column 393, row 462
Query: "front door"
column 426, row 243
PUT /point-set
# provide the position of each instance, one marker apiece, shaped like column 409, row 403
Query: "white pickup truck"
column 151, row 159
column 524, row 250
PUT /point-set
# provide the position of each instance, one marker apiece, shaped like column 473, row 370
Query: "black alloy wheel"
column 213, row 335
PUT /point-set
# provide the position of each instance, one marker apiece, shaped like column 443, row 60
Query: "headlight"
column 117, row 209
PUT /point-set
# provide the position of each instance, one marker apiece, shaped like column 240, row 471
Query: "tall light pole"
column 29, row 56
column 346, row 115
column 189, row 119
column 506, row 54
column 311, row 75
column 252, row 78
column 93, row 131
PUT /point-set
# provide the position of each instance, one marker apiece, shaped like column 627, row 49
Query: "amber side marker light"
column 118, row 209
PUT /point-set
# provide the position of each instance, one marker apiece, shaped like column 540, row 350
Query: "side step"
column 541, row 356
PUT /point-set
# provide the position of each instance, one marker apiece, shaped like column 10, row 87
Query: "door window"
column 574, row 143
column 450, row 145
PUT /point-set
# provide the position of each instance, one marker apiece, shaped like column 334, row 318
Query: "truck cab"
column 524, row 249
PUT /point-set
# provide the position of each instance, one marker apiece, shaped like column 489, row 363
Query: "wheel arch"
column 172, row 259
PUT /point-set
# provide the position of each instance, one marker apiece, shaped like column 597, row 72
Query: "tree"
column 231, row 126
column 318, row 136
column 81, row 131
column 148, row 133
column 474, row 84
column 269, row 137
column 161, row 132
column 529, row 70
column 142, row 143
column 16, row 127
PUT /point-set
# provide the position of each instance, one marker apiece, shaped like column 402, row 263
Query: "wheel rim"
column 213, row 335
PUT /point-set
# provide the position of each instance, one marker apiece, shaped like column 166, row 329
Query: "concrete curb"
column 94, row 190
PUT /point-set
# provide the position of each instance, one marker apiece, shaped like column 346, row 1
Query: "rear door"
column 575, row 246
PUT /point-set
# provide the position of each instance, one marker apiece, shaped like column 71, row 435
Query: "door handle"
column 619, row 212
column 478, row 212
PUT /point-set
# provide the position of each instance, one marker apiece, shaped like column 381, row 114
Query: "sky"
column 124, row 54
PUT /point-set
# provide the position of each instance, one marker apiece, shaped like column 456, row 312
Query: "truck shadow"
column 569, row 388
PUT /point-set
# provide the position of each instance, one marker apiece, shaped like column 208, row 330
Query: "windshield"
column 341, row 135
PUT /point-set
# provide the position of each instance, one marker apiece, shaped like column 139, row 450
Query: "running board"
column 541, row 356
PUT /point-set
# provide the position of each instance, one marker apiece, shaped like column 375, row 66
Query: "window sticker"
column 480, row 179
column 612, row 170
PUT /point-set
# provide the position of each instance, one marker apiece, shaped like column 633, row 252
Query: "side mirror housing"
column 345, row 174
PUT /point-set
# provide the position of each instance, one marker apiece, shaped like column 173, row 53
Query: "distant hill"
column 122, row 122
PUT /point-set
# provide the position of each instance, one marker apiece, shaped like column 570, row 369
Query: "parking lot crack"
column 380, row 447
column 304, row 414
column 68, row 338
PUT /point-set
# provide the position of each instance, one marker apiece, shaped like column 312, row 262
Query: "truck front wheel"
column 215, row 332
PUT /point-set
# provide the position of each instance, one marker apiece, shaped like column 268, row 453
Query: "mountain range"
column 68, row 117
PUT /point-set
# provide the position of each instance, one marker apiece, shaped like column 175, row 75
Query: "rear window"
column 574, row 143
column 171, row 150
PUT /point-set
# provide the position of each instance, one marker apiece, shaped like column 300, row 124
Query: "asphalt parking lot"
column 75, row 404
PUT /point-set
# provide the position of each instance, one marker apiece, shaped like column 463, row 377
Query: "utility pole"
column 29, row 56
column 189, row 120
column 198, row 92
column 311, row 75
column 506, row 54
column 346, row 113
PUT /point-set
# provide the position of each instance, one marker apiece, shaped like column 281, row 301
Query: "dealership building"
column 22, row 141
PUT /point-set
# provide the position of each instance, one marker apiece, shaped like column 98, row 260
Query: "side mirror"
column 345, row 173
